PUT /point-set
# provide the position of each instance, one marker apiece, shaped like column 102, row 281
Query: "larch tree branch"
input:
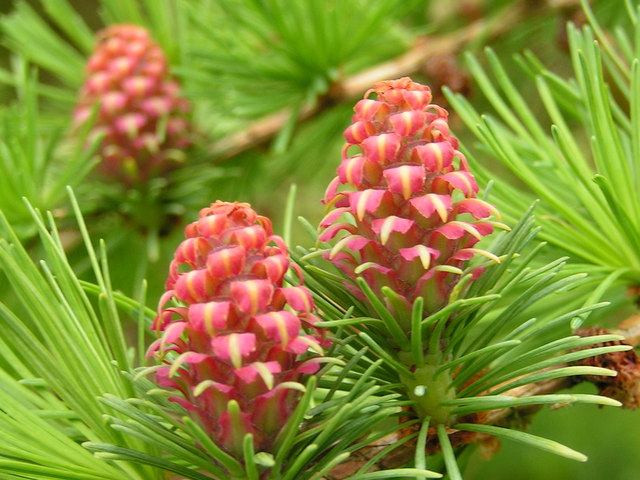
column 624, row 387
column 425, row 48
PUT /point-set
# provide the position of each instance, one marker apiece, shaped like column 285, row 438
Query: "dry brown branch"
column 424, row 48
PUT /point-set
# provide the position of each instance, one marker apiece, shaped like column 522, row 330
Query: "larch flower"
column 236, row 343
column 141, row 115
column 403, row 212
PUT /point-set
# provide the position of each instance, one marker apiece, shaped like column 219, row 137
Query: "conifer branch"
column 425, row 48
column 626, row 383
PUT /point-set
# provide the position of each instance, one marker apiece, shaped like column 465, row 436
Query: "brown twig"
column 424, row 48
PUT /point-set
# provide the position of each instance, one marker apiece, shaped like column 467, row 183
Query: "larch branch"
column 412, row 61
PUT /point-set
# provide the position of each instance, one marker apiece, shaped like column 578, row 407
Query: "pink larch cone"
column 236, row 333
column 403, row 207
column 141, row 116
